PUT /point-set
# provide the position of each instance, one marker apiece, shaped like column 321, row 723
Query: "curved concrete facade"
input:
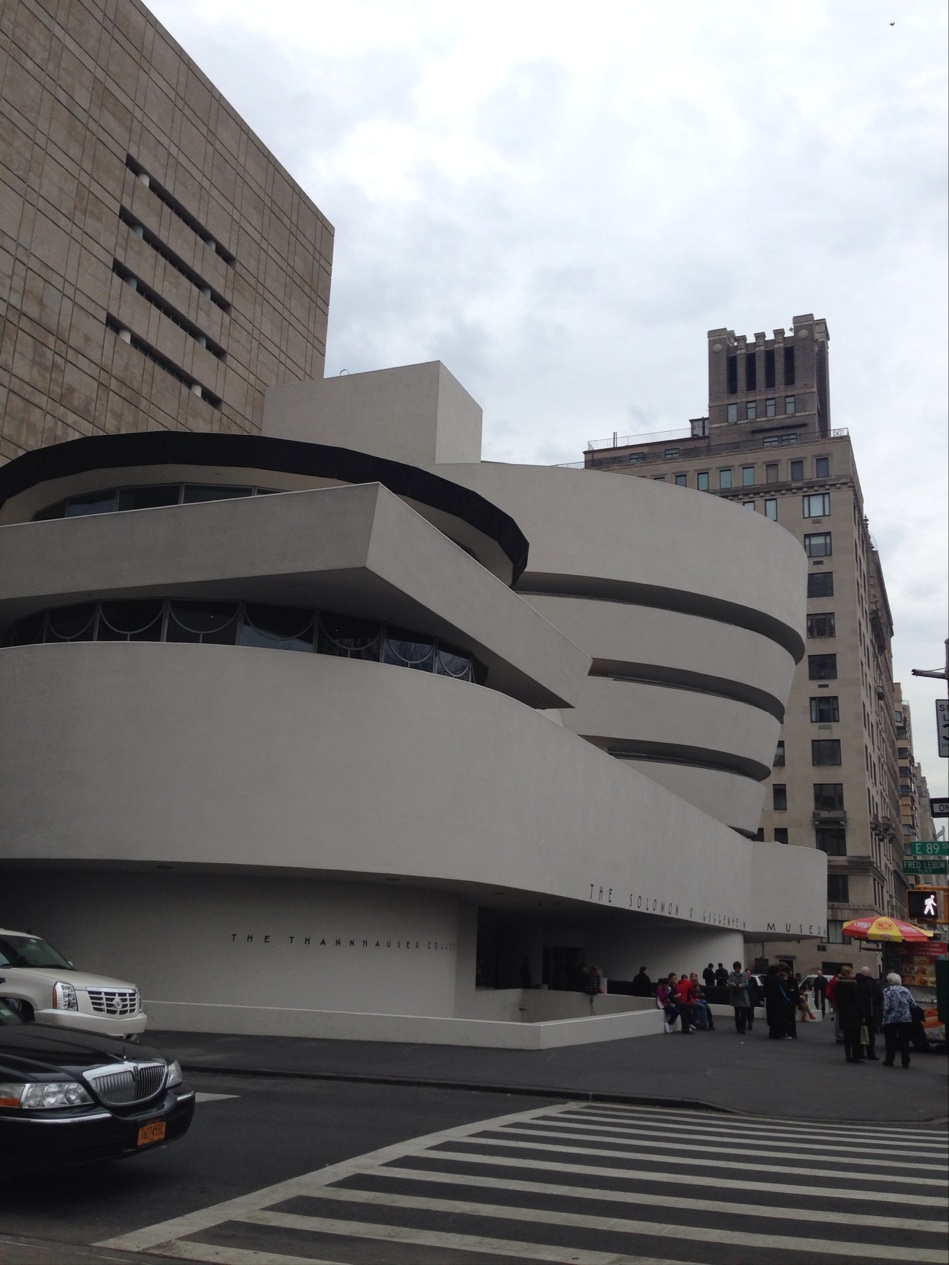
column 587, row 795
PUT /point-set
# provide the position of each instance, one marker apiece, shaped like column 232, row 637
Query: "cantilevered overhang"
column 40, row 478
column 352, row 550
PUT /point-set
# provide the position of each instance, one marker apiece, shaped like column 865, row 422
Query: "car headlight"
column 43, row 1095
column 64, row 996
column 174, row 1074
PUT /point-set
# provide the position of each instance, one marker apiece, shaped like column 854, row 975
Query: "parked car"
column 74, row 1098
column 39, row 983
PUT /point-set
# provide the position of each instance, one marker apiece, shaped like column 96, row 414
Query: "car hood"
column 78, row 979
column 31, row 1049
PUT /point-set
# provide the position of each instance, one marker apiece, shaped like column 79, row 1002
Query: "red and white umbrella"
column 882, row 928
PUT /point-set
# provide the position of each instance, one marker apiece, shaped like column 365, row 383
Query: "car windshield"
column 29, row 951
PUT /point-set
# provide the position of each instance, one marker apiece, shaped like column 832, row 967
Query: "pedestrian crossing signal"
column 923, row 903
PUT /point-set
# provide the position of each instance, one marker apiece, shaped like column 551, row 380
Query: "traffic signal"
column 923, row 903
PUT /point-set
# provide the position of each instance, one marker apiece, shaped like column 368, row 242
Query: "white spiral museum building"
column 335, row 729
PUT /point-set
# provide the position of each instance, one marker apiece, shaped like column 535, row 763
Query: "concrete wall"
column 427, row 416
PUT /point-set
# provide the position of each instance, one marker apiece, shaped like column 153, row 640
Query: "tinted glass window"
column 148, row 498
column 350, row 638
column 193, row 492
column 277, row 627
column 400, row 647
column 73, row 623
column 130, row 621
column 208, row 622
column 94, row 503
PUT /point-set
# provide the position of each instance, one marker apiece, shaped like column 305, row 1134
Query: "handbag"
column 864, row 1035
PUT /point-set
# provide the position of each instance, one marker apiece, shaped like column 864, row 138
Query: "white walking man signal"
column 929, row 906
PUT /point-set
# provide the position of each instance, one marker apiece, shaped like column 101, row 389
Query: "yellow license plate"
column 154, row 1132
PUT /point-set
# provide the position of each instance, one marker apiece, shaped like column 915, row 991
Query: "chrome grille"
column 117, row 1002
column 122, row 1083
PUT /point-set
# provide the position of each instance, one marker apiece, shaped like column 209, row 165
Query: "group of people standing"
column 863, row 1008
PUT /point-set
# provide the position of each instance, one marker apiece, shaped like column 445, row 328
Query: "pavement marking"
column 759, row 1125
column 775, row 1129
column 730, row 1164
column 151, row 1236
column 641, row 1197
column 680, row 1179
column 199, row 1097
column 498, row 1247
column 636, row 1158
column 635, row 1137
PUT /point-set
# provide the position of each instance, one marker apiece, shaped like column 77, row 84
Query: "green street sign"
column 929, row 848
column 918, row 866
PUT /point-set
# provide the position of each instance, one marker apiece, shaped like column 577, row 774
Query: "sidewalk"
column 806, row 1079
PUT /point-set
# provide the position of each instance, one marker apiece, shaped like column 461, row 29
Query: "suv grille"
column 122, row 1083
column 119, row 1002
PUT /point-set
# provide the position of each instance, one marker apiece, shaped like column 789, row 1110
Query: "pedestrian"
column 738, row 996
column 642, row 985
column 594, row 982
column 721, row 976
column 685, row 996
column 794, row 992
column 850, row 1007
column 708, row 976
column 820, row 991
column 898, row 1005
column 666, row 1001
column 872, row 998
column 778, row 1007
column 754, row 997
column 832, row 998
column 701, row 1010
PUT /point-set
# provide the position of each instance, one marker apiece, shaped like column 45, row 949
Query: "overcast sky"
column 559, row 202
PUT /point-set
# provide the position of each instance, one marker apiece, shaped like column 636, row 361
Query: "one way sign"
column 939, row 808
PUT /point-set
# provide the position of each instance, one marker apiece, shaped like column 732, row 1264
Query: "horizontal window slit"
column 182, row 212
column 159, row 247
column 167, row 309
column 169, row 366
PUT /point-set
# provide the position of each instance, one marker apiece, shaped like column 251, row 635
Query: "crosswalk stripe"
column 833, row 1143
column 715, row 1122
column 554, row 1136
column 680, row 1179
column 655, row 1229
column 615, row 1154
column 636, row 1197
column 731, row 1163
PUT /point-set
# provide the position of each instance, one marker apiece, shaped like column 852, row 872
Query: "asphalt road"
column 333, row 1171
column 270, row 1129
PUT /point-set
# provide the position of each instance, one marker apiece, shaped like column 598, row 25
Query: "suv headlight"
column 174, row 1074
column 64, row 996
column 43, row 1095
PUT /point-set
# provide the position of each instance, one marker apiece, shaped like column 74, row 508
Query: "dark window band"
column 245, row 624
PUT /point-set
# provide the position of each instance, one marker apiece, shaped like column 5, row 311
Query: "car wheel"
column 19, row 1007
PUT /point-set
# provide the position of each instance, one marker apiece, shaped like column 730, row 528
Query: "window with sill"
column 771, row 509
column 818, row 544
column 838, row 889
column 828, row 797
column 779, row 797
column 779, row 755
column 817, row 505
column 701, row 480
column 825, row 709
column 822, row 624
column 825, row 751
column 820, row 584
column 822, row 667
column 832, row 840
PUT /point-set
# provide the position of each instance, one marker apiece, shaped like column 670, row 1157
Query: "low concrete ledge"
column 335, row 1025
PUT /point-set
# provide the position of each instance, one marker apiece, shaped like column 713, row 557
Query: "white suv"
column 41, row 984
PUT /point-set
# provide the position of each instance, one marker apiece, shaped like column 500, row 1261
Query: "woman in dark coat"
column 778, row 1008
column 850, row 1007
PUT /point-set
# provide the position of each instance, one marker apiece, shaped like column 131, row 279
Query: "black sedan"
column 70, row 1097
